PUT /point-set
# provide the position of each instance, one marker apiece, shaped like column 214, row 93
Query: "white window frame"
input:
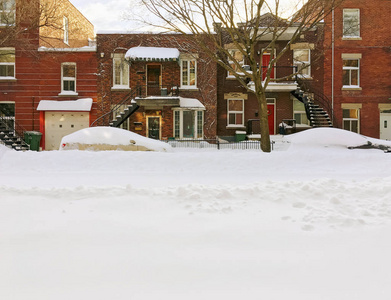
column 178, row 123
column 188, row 85
column 70, row 79
column 8, row 11
column 351, row 120
column 236, row 112
column 233, row 52
column 8, row 64
column 349, row 69
column 347, row 20
column 303, row 67
column 66, row 30
column 119, row 58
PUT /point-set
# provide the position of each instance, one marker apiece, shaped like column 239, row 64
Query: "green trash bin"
column 33, row 138
column 240, row 136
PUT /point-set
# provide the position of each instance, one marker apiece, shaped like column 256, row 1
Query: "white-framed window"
column 299, row 113
column 238, row 57
column 235, row 112
column 66, row 30
column 188, row 73
column 351, row 73
column 120, row 71
column 68, row 78
column 302, row 60
column 351, row 119
column 351, row 23
column 188, row 124
column 7, row 63
column 7, row 12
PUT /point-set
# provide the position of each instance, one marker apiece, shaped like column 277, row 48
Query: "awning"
column 152, row 54
column 73, row 105
column 191, row 103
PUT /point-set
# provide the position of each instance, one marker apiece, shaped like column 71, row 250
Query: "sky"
column 109, row 15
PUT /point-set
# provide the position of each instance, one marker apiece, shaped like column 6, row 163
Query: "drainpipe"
column 332, row 65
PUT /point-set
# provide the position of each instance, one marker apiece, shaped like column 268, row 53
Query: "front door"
column 385, row 126
column 266, row 57
column 153, row 80
column 153, row 127
column 271, row 113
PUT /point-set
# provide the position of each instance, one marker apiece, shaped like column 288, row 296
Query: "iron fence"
column 217, row 144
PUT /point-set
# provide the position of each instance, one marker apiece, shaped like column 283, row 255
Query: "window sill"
column 351, row 88
column 352, row 38
column 188, row 88
column 8, row 79
column 120, row 88
column 236, row 127
column 68, row 94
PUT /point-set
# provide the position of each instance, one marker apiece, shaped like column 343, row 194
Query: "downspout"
column 332, row 65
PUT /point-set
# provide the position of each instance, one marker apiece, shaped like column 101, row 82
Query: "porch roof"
column 72, row 105
column 152, row 54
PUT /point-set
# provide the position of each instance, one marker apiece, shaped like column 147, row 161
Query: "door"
column 265, row 63
column 153, row 127
column 153, row 80
column 271, row 118
column 385, row 126
column 60, row 124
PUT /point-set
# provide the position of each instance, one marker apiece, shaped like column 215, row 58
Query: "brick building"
column 54, row 62
column 357, row 66
column 164, row 81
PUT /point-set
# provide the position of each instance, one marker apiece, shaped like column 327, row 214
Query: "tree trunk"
column 264, row 122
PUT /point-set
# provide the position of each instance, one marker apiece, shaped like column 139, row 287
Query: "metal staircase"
column 316, row 114
column 121, row 111
column 11, row 137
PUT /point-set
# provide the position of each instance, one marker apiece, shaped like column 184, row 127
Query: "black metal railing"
column 11, row 126
column 158, row 90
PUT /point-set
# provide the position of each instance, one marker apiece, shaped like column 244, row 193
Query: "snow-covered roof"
column 190, row 103
column 152, row 53
column 72, row 105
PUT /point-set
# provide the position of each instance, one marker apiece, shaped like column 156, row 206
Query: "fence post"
column 218, row 143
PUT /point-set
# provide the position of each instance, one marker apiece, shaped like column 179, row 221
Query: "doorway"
column 153, row 80
column 153, row 127
column 385, row 126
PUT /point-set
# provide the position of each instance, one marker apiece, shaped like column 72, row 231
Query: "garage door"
column 60, row 124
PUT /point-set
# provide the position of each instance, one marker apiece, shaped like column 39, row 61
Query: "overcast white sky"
column 107, row 15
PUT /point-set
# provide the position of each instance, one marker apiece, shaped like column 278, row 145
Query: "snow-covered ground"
column 309, row 221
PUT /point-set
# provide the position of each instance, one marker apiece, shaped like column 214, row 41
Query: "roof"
column 152, row 54
column 72, row 105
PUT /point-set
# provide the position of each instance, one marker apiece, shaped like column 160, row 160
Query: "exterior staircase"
column 11, row 139
column 123, row 115
column 316, row 113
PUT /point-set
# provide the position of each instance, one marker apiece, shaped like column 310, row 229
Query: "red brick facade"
column 371, row 48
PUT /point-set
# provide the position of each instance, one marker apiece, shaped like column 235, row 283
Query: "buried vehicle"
column 110, row 138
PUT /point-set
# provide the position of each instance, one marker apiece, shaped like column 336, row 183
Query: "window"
column 7, row 63
column 299, row 113
column 302, row 59
column 238, row 57
column 188, row 124
column 120, row 71
column 351, row 23
column 351, row 73
column 7, row 12
column 66, row 30
column 235, row 112
column 68, row 78
column 189, row 73
column 351, row 119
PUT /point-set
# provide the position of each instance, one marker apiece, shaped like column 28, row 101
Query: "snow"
column 308, row 221
column 73, row 105
column 190, row 103
column 152, row 53
column 102, row 138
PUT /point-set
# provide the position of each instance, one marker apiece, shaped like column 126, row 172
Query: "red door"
column 265, row 64
column 270, row 112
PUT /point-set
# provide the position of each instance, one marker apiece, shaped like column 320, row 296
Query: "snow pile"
column 328, row 137
column 221, row 224
column 110, row 138
column 149, row 53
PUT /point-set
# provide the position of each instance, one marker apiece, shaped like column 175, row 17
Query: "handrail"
column 118, row 106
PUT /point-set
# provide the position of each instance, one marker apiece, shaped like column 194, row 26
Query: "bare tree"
column 242, row 24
